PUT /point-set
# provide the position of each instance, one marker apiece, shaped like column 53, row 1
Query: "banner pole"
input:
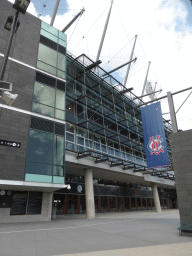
column 172, row 112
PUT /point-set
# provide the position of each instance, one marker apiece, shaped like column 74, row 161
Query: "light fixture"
column 21, row 5
column 9, row 23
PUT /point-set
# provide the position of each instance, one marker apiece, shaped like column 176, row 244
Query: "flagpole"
column 145, row 79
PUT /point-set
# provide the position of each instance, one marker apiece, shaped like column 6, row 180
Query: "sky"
column 164, row 29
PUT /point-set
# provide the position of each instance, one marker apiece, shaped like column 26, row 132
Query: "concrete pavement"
column 121, row 233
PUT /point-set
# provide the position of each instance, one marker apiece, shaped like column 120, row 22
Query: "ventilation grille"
column 60, row 85
column 42, row 124
column 60, row 129
column 48, row 42
column 45, row 79
column 62, row 49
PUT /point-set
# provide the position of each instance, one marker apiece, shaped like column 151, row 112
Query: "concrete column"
column 89, row 194
column 156, row 198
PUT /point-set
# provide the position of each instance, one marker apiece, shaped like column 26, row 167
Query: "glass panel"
column 38, row 178
column 42, row 109
column 58, row 180
column 88, row 143
column 60, row 99
column 58, row 158
column 59, row 114
column 58, row 170
column 48, row 35
column 40, row 146
column 63, row 36
column 46, row 67
column 49, row 28
column 70, row 137
column 61, row 74
column 47, row 55
column 44, row 94
column 80, row 141
column 70, row 128
column 70, row 146
column 37, row 168
column 61, row 64
column 61, row 42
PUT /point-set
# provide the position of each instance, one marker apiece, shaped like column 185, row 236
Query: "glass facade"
column 52, row 51
column 45, row 160
column 103, row 119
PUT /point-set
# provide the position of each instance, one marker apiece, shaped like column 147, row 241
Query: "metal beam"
column 128, row 167
column 82, row 156
column 163, row 97
column 113, row 70
column 73, row 20
column 147, row 94
column 117, row 164
column 183, row 102
column 101, row 160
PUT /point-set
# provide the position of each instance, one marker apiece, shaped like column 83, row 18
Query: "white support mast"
column 54, row 12
column 130, row 59
column 104, row 32
column 146, row 78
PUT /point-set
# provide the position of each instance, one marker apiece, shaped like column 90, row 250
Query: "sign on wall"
column 154, row 136
column 10, row 143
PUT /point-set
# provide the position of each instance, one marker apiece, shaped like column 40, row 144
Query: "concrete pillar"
column 89, row 194
column 156, row 198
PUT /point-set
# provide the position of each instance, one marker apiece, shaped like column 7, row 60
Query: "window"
column 40, row 147
column 47, row 99
column 23, row 203
column 47, row 55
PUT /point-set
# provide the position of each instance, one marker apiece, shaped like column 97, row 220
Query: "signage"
column 79, row 188
column 154, row 136
column 18, row 204
column 5, row 199
column 10, row 143
column 34, row 203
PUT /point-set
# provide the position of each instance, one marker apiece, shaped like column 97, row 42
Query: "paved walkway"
column 122, row 233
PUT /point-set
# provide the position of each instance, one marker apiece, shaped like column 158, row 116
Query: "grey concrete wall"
column 45, row 215
column 14, row 126
column 181, row 148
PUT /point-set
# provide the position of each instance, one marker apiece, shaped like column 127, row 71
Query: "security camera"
column 8, row 97
column 5, row 86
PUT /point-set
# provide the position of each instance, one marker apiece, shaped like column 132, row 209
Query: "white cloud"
column 162, row 31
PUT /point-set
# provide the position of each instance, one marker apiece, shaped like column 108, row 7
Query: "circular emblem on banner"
column 2, row 192
column 79, row 188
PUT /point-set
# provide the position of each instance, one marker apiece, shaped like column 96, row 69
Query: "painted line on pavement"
column 20, row 231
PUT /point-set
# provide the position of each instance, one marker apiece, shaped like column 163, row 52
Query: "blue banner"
column 154, row 136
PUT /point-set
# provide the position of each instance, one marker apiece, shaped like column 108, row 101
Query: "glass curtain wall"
column 45, row 160
column 100, row 119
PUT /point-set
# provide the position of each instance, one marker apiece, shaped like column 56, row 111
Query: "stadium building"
column 72, row 141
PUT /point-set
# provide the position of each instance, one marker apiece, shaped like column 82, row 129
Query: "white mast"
column 145, row 79
column 104, row 32
column 54, row 12
column 130, row 59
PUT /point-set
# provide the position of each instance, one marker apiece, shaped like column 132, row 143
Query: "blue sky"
column 49, row 6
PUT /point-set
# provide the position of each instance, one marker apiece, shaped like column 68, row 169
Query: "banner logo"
column 155, row 145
